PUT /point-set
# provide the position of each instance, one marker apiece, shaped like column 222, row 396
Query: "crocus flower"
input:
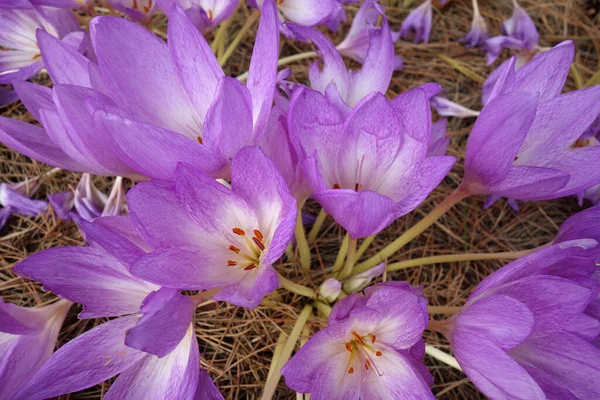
column 27, row 339
column 120, row 117
column 89, row 201
column 371, row 349
column 449, row 108
column 582, row 225
column 371, row 167
column 20, row 57
column 344, row 88
column 137, row 10
column 330, row 290
column 521, row 144
column 479, row 31
column 518, row 32
column 303, row 12
column 205, row 235
column 151, row 345
column 15, row 199
column 418, row 21
column 524, row 332
column 360, row 281
column 356, row 43
column 204, row 14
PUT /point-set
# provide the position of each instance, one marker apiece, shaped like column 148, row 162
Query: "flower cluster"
column 222, row 168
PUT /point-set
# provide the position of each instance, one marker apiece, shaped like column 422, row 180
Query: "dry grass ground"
column 237, row 343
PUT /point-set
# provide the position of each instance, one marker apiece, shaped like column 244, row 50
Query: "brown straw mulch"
column 237, row 344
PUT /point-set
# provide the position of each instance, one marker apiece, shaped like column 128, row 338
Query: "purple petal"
column 165, row 318
column 19, row 203
column 62, row 203
column 418, row 20
column 85, row 361
column 529, row 183
column 206, row 388
column 439, row 142
column 88, row 276
column 64, row 64
column 7, row 96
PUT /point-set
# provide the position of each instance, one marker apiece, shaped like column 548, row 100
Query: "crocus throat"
column 247, row 249
column 363, row 349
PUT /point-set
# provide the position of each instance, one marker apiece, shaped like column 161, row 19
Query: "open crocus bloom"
column 146, row 105
column 204, row 14
column 20, row 57
column 205, row 235
column 356, row 43
column 372, row 349
column 27, row 339
column 151, row 345
column 526, row 332
column 344, row 88
column 371, row 167
column 522, row 144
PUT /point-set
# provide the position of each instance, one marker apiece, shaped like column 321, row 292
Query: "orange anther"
column 258, row 235
column 234, row 249
column 378, row 354
column 199, row 139
column 351, row 370
column 239, row 231
column 231, row 263
column 250, row 267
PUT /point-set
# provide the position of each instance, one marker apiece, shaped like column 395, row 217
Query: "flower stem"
column 238, row 38
column 505, row 255
column 301, row 243
column 286, row 353
column 364, row 246
column 323, row 308
column 201, row 297
column 441, row 356
column 312, row 235
column 296, row 288
column 413, row 232
column 350, row 258
column 341, row 256
column 284, row 61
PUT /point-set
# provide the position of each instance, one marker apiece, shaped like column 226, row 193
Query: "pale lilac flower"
column 151, row 345
column 204, row 14
column 525, row 332
column 418, row 21
column 370, row 167
column 478, row 34
column 439, row 141
column 360, row 281
column 448, row 108
column 338, row 15
column 518, row 32
column 137, row 10
column 20, row 57
column 27, row 339
column 372, row 349
column 344, row 88
column 89, row 201
column 521, row 144
column 146, row 106
column 330, row 290
column 356, row 43
column 302, row 12
column 15, row 199
column 582, row 225
column 205, row 235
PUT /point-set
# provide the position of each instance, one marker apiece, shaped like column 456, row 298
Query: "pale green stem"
column 286, row 353
column 277, row 353
column 284, row 61
column 341, row 256
column 238, row 38
column 301, row 243
column 505, row 255
column 323, row 308
column 413, row 232
column 316, row 228
column 350, row 258
column 289, row 251
column 364, row 246
column 296, row 288
column 443, row 357
column 443, row 309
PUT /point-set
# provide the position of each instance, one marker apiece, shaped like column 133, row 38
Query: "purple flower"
column 370, row 167
column 345, row 88
column 151, row 345
column 371, row 349
column 418, row 21
column 137, row 10
column 439, row 142
column 582, row 225
column 518, row 32
column 525, row 332
column 521, row 144
column 145, row 106
column 478, row 34
column 448, row 108
column 88, row 201
column 356, row 43
column 27, row 339
column 360, row 281
column 204, row 14
column 205, row 235
column 15, row 199
column 303, row 12
column 330, row 290
column 20, row 57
